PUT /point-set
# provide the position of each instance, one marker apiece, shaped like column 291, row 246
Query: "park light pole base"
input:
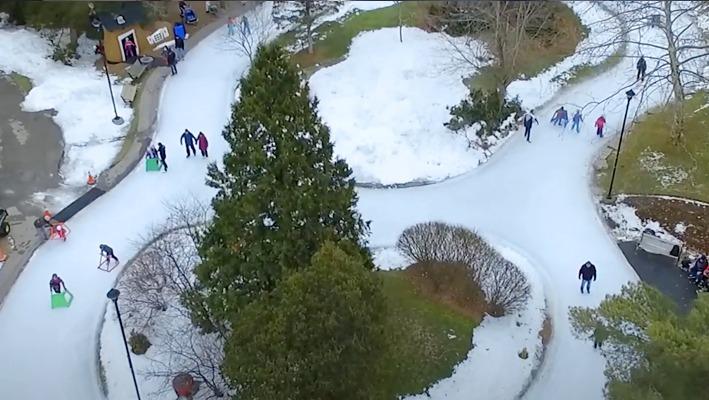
column 117, row 120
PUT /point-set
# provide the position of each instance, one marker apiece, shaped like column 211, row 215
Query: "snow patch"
column 629, row 226
column 667, row 175
column 388, row 258
column 78, row 93
column 386, row 104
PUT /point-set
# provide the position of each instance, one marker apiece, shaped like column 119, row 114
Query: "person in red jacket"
column 202, row 143
column 56, row 284
column 600, row 123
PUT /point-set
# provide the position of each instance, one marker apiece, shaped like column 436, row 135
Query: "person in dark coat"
column 163, row 155
column 600, row 334
column 202, row 143
column 527, row 120
column 107, row 252
column 171, row 61
column 180, row 47
column 642, row 67
column 56, row 284
column 189, row 140
column 586, row 273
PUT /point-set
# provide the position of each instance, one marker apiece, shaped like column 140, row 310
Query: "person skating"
column 107, row 252
column 642, row 67
column 600, row 123
column 171, row 61
column 586, row 273
column 527, row 120
column 556, row 118
column 202, row 143
column 163, row 155
column 576, row 121
column 189, row 140
column 56, row 284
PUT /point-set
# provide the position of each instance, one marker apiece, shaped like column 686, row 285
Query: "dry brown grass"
column 449, row 285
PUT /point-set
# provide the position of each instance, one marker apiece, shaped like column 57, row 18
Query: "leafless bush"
column 506, row 288
column 250, row 31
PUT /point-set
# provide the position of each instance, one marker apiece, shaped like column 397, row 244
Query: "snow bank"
column 386, row 105
column 354, row 6
column 629, row 226
column 78, row 94
column 538, row 90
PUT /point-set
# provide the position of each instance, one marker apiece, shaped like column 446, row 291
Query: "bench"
column 128, row 93
column 656, row 245
column 136, row 70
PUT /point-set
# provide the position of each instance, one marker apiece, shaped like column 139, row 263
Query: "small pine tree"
column 281, row 193
column 318, row 336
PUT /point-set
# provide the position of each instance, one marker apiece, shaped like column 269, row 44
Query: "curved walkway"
column 535, row 196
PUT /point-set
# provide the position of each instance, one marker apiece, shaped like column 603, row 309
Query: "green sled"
column 152, row 164
column 62, row 300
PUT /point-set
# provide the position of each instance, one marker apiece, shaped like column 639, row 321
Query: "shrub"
column 484, row 109
column 139, row 343
column 505, row 286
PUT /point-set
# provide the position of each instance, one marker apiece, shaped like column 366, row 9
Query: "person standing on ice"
column 527, row 120
column 56, row 284
column 108, row 253
column 586, row 273
column 642, row 67
column 600, row 334
column 576, row 121
column 163, row 155
column 600, row 123
column 171, row 61
column 189, row 140
column 202, row 143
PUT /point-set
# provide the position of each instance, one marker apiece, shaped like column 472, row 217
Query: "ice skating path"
column 534, row 196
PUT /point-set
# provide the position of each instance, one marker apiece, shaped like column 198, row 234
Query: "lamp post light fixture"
column 113, row 296
column 629, row 94
column 97, row 24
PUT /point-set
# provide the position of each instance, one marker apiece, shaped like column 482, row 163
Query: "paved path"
column 662, row 273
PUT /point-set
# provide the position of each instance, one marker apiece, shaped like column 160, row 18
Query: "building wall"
column 112, row 45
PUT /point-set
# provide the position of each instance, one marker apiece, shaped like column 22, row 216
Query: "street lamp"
column 96, row 23
column 629, row 94
column 113, row 296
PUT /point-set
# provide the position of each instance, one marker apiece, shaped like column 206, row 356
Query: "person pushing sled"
column 59, row 298
column 106, row 256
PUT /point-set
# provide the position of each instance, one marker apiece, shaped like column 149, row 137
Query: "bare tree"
column 506, row 288
column 304, row 13
column 666, row 34
column 506, row 27
column 154, row 287
column 250, row 31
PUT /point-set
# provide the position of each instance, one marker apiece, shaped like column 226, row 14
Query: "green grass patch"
column 428, row 336
column 22, row 82
column 650, row 163
column 541, row 54
column 585, row 71
column 334, row 38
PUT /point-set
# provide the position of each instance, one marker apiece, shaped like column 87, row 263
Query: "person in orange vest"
column 600, row 123
column 91, row 180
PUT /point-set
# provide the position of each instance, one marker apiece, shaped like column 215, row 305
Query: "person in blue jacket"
column 189, row 140
column 576, row 121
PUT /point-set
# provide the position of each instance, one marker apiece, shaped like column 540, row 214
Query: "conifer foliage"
column 281, row 192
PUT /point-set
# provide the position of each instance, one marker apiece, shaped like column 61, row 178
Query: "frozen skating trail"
column 534, row 196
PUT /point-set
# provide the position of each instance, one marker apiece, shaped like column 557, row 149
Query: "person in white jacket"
column 527, row 120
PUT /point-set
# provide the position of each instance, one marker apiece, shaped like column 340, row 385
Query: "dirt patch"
column 686, row 220
column 545, row 332
column 450, row 285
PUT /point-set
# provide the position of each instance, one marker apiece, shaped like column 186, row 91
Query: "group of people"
column 49, row 228
column 189, row 140
column 697, row 271
column 56, row 284
column 561, row 118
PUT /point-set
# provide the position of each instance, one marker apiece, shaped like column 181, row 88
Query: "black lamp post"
column 630, row 94
column 113, row 296
column 96, row 23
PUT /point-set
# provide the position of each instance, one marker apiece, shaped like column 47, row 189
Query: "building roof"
column 132, row 13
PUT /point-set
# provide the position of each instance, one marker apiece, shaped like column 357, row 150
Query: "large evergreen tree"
column 653, row 353
column 319, row 335
column 281, row 193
